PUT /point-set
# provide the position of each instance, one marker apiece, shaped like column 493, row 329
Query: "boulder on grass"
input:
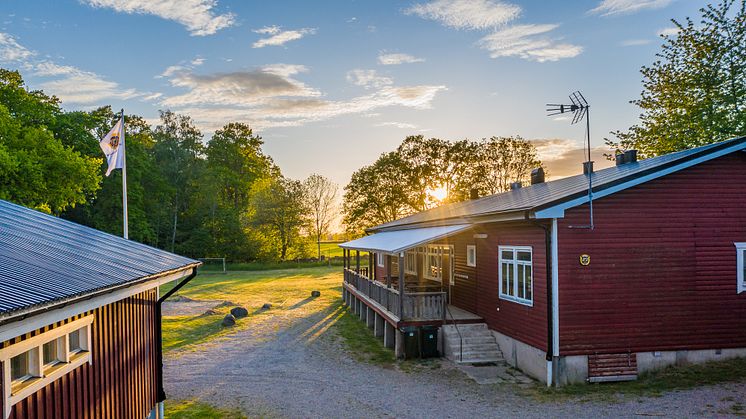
column 315, row 294
column 229, row 320
column 239, row 312
column 266, row 306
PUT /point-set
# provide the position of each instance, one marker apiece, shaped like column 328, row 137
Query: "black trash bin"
column 411, row 342
column 429, row 341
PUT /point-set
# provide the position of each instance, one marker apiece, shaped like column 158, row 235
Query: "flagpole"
column 124, row 182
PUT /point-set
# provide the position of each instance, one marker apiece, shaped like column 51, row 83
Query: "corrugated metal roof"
column 400, row 240
column 44, row 259
column 548, row 193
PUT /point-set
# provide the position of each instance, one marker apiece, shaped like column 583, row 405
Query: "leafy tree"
column 502, row 161
column 321, row 201
column 279, row 210
column 695, row 93
column 36, row 168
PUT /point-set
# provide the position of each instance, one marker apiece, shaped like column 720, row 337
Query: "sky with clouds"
column 331, row 85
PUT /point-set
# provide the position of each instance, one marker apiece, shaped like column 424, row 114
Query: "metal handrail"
column 460, row 338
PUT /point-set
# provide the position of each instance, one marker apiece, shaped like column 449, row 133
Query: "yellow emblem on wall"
column 585, row 260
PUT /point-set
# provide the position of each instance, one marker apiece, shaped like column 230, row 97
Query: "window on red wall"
column 516, row 274
column 741, row 266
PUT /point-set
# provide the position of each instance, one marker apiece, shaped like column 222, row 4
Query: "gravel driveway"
column 292, row 365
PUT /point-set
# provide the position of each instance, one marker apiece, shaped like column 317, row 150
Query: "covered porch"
column 403, row 280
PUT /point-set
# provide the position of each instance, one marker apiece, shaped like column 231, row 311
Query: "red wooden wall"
column 121, row 381
column 663, row 265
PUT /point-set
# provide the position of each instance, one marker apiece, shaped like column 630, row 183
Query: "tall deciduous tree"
column 321, row 201
column 695, row 92
column 279, row 209
column 502, row 161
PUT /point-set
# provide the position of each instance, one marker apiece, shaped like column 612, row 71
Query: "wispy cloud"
column 71, row 84
column 623, row 7
column 634, row 42
column 273, row 96
column 401, row 125
column 564, row 157
column 524, row 41
column 398, row 58
column 368, row 79
column 467, row 14
column 197, row 16
column 279, row 37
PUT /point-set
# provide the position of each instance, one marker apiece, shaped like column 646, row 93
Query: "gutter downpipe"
column 161, row 394
column 552, row 307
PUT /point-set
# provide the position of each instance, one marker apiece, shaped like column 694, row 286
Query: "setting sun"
column 438, row 194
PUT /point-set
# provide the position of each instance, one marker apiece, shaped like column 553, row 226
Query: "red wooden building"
column 654, row 277
column 80, row 319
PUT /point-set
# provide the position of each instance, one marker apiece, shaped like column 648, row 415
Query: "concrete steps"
column 478, row 344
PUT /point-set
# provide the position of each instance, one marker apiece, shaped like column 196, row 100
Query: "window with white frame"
column 410, row 263
column 471, row 255
column 381, row 260
column 516, row 274
column 434, row 263
column 741, row 266
column 36, row 362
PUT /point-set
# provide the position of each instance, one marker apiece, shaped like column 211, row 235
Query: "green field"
column 331, row 249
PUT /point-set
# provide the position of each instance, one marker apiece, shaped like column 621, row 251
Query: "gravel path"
column 292, row 365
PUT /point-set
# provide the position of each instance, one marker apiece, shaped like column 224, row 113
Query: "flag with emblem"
column 113, row 147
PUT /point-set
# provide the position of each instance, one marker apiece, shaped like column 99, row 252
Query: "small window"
column 516, row 274
column 380, row 259
column 471, row 255
column 19, row 367
column 74, row 341
column 50, row 352
column 741, row 266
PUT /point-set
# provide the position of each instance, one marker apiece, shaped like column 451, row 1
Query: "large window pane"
column 19, row 366
column 50, row 352
column 505, row 269
column 74, row 341
column 529, row 284
column 520, row 280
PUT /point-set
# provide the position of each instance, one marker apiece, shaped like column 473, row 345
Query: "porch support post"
column 399, row 344
column 379, row 326
column 402, row 286
column 357, row 261
column 388, row 271
column 389, row 333
column 370, row 317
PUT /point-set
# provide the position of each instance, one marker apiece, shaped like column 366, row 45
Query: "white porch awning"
column 400, row 240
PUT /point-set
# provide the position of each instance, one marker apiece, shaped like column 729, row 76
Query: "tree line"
column 219, row 198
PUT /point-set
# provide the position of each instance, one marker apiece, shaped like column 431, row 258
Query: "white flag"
column 113, row 147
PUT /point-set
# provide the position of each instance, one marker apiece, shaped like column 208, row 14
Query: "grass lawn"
column 330, row 249
column 192, row 409
column 653, row 384
column 283, row 289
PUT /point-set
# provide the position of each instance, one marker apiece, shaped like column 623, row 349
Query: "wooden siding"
column 663, row 265
column 525, row 323
column 120, row 382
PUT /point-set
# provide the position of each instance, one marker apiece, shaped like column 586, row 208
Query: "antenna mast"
column 580, row 110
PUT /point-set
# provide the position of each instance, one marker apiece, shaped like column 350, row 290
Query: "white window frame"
column 741, row 266
column 471, row 255
column 514, row 263
column 380, row 260
column 410, row 266
column 41, row 375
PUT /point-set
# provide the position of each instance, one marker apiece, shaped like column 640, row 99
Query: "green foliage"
column 695, row 92
column 405, row 181
column 279, row 211
column 36, row 168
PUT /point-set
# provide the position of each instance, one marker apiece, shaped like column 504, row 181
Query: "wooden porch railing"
column 417, row 305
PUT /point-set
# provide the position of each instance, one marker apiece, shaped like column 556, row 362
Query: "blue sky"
column 331, row 85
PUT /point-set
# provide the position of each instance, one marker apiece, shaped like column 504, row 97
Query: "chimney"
column 474, row 193
column 515, row 185
column 587, row 167
column 630, row 156
column 537, row 176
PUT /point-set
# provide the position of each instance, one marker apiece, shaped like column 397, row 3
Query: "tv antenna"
column 580, row 110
